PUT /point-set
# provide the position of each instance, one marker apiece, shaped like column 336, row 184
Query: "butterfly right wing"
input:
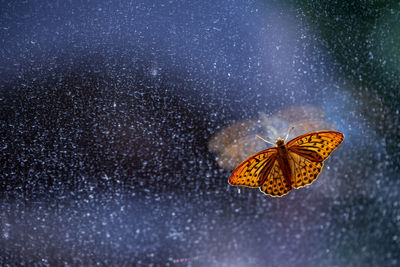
column 316, row 146
column 254, row 171
column 307, row 154
column 304, row 170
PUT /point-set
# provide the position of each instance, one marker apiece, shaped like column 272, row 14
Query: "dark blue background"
column 107, row 108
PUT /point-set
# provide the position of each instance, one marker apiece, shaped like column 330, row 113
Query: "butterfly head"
column 280, row 142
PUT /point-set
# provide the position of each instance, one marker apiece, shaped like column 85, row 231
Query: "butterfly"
column 234, row 143
column 276, row 171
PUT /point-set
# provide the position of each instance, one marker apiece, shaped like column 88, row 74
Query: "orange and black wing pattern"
column 316, row 146
column 254, row 171
column 276, row 184
column 307, row 154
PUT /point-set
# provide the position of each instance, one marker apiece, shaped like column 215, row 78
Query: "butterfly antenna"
column 264, row 140
column 288, row 132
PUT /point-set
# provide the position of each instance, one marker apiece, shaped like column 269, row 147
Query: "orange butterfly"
column 290, row 165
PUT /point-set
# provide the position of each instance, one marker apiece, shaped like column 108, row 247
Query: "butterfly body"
column 276, row 171
column 282, row 158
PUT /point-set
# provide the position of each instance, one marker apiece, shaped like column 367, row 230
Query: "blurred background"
column 112, row 123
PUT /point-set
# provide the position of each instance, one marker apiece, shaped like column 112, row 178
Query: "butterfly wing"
column 304, row 171
column 275, row 185
column 316, row 146
column 254, row 171
column 307, row 154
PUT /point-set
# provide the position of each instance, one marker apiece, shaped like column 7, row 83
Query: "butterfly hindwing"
column 275, row 185
column 316, row 146
column 254, row 171
column 304, row 171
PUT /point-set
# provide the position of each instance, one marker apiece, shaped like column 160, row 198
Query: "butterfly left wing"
column 275, row 185
column 307, row 154
column 254, row 171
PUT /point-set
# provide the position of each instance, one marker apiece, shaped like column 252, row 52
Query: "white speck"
column 6, row 231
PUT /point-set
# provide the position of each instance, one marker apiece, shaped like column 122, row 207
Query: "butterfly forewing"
column 254, row 171
column 316, row 146
column 275, row 185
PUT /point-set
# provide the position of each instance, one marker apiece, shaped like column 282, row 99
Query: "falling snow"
column 108, row 108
